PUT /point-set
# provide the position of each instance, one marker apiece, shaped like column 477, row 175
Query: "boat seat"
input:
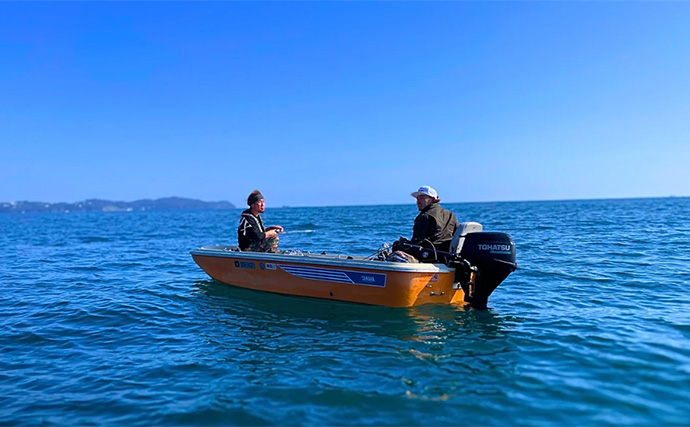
column 459, row 236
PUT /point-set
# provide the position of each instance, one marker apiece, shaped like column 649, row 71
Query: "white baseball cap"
column 425, row 190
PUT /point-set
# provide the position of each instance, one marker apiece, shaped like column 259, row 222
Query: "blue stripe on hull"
column 339, row 276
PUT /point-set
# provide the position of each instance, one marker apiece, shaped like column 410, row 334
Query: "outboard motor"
column 482, row 262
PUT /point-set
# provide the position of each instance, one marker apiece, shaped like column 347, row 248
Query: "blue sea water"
column 105, row 319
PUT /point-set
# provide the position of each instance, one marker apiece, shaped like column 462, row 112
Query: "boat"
column 468, row 273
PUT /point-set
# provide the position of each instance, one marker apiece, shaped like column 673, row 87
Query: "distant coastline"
column 180, row 203
column 99, row 205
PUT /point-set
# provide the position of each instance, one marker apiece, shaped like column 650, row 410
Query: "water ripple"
column 106, row 320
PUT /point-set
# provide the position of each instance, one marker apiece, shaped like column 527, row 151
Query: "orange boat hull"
column 353, row 280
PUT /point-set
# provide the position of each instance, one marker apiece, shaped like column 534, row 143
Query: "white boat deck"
column 335, row 260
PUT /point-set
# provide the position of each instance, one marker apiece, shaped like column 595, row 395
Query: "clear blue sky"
column 344, row 103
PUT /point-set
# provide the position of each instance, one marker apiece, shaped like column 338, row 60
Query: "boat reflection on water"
column 430, row 323
column 434, row 323
column 429, row 353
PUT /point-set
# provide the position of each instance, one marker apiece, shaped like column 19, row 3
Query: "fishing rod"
column 297, row 231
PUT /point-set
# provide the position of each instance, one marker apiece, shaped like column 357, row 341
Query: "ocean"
column 106, row 320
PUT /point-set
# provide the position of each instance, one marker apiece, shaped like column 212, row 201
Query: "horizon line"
column 369, row 205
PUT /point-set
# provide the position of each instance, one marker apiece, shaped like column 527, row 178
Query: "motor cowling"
column 483, row 262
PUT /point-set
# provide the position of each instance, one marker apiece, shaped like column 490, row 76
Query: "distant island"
column 98, row 205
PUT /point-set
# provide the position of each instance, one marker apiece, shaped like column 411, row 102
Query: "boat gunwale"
column 331, row 261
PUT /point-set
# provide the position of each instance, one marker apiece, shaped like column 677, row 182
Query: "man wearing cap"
column 434, row 226
column 251, row 234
